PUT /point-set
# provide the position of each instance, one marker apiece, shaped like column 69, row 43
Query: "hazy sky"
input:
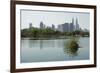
column 53, row 17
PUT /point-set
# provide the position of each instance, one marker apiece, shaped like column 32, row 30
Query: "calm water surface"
column 52, row 50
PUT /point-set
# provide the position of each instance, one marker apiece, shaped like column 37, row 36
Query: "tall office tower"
column 73, row 21
column 71, row 26
column 60, row 28
column 65, row 27
column 30, row 25
column 53, row 27
column 41, row 25
column 77, row 25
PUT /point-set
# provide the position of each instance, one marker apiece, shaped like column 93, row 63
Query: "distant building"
column 63, row 27
column 41, row 25
column 77, row 25
column 30, row 25
column 74, row 27
column 72, row 20
column 53, row 27
column 66, row 27
column 71, row 26
column 60, row 28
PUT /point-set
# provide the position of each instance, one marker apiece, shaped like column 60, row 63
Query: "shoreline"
column 50, row 38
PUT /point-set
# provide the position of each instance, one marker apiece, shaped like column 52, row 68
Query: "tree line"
column 48, row 32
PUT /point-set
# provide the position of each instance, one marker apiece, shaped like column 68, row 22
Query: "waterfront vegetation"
column 72, row 43
column 49, row 33
column 71, row 46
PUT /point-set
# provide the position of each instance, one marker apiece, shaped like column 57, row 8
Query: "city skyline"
column 64, row 27
column 55, row 18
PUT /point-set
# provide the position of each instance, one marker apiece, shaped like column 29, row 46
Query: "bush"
column 71, row 46
column 72, row 43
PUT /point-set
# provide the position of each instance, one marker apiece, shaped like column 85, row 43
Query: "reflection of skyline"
column 42, row 43
column 53, row 17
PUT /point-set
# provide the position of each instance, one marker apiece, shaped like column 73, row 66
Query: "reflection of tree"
column 35, row 43
column 31, row 43
column 71, row 46
column 41, row 44
column 71, row 52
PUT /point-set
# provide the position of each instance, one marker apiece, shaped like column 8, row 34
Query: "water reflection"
column 41, row 44
column 53, row 50
column 70, row 51
column 35, row 43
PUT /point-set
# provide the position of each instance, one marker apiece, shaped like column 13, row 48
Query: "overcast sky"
column 53, row 17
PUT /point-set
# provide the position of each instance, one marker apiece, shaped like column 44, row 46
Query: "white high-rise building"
column 53, row 27
column 77, row 25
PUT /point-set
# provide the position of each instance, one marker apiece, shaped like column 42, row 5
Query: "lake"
column 52, row 50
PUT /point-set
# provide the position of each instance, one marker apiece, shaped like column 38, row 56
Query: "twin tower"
column 76, row 24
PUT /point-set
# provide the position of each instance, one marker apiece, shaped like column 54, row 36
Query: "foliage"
column 73, row 43
column 71, row 46
column 48, row 32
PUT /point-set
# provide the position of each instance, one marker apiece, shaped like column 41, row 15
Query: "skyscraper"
column 30, row 25
column 41, row 25
column 71, row 26
column 72, row 20
column 53, row 27
column 65, row 27
column 77, row 25
column 60, row 28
